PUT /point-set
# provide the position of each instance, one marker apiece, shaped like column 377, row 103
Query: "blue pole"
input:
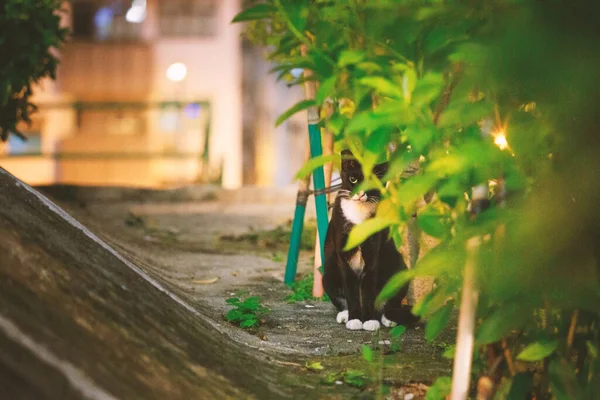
column 316, row 149
column 296, row 236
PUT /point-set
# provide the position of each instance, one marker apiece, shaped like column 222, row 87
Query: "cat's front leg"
column 368, row 289
column 352, row 292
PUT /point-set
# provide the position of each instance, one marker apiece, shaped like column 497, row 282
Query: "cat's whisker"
column 344, row 193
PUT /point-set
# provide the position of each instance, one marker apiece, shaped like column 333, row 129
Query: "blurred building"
column 156, row 93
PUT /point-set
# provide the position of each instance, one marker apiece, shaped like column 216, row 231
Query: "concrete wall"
column 214, row 68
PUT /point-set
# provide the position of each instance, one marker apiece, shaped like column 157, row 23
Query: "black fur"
column 352, row 290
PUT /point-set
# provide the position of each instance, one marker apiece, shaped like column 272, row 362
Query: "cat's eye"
column 353, row 180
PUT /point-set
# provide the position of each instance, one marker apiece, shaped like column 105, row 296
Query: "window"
column 104, row 20
column 188, row 18
column 31, row 146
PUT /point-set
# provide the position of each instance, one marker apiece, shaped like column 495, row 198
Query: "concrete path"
column 132, row 305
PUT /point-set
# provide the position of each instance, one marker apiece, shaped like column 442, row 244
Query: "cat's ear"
column 381, row 169
column 348, row 160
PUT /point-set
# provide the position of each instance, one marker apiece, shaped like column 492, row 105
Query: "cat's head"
column 352, row 177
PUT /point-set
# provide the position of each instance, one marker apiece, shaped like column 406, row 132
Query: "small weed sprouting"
column 278, row 257
column 247, row 313
column 277, row 239
column 351, row 377
column 302, row 290
column 395, row 335
column 135, row 221
column 314, row 366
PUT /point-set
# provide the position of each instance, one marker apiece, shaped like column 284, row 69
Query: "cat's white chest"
column 357, row 262
column 357, row 211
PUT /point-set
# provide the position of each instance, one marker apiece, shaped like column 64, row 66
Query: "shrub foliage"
column 502, row 94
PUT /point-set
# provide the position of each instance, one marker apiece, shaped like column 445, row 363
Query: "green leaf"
column 592, row 349
column 431, row 302
column 409, row 82
column 520, row 386
column 232, row 300
column 434, row 224
column 348, row 57
column 326, row 89
column 538, row 350
column 248, row 316
column 449, row 352
column 397, row 331
column 392, row 116
column 420, row 137
column 315, row 163
column 369, row 67
column 314, row 366
column 363, row 231
column 302, row 105
column 415, row 188
column 259, row 11
column 367, row 353
column 563, row 380
column 355, row 378
column 501, row 322
column 375, row 149
column 470, row 53
column 450, row 191
column 460, row 113
column 382, row 86
column 438, row 321
column 394, row 285
column 234, row 315
column 428, row 89
column 440, row 388
column 249, row 323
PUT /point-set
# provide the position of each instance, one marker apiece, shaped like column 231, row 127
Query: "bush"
column 29, row 33
column 500, row 96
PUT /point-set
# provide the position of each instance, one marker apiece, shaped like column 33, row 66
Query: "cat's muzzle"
column 360, row 196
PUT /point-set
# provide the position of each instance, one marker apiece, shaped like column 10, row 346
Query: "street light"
column 176, row 72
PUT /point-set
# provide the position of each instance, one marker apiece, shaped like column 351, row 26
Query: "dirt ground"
column 181, row 242
column 178, row 240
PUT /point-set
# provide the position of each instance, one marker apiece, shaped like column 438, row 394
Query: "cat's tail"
column 402, row 315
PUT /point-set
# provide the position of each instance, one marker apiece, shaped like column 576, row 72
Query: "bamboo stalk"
column 508, row 358
column 465, row 338
column 572, row 327
column 310, row 89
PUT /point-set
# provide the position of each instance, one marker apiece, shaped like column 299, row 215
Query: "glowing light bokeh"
column 500, row 140
column 177, row 72
column 137, row 13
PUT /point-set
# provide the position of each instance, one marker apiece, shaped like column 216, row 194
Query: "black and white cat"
column 354, row 278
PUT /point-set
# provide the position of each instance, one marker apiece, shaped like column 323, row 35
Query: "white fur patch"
column 357, row 262
column 387, row 323
column 342, row 317
column 356, row 211
column 372, row 325
column 354, row 325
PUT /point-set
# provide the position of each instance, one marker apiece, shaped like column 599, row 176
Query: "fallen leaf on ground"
column 205, row 281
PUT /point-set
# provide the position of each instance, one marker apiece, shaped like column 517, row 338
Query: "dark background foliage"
column 30, row 33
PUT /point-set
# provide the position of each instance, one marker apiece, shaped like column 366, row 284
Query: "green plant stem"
column 303, row 39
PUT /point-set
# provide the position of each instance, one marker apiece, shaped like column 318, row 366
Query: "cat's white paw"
column 387, row 323
column 372, row 325
column 342, row 317
column 354, row 325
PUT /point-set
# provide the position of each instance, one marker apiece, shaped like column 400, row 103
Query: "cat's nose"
column 362, row 196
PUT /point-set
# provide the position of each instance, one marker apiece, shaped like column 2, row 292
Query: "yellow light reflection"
column 500, row 140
